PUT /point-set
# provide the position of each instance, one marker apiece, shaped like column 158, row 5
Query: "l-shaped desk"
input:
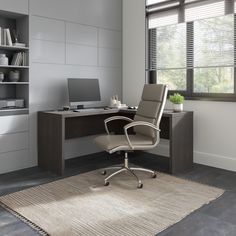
column 54, row 127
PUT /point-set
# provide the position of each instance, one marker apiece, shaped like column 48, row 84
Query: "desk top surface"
column 67, row 114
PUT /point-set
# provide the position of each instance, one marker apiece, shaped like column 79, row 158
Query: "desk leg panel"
column 51, row 133
column 181, row 143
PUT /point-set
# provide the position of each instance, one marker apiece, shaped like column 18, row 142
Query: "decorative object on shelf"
column 0, row 35
column 15, row 35
column 3, row 59
column 22, row 45
column 177, row 100
column 6, row 37
column 14, row 76
column 19, row 59
column 11, row 103
column 1, row 76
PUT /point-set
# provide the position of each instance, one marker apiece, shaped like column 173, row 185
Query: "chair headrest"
column 153, row 92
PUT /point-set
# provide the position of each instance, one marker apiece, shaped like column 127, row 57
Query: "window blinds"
column 204, row 9
column 166, row 12
column 214, row 41
column 163, row 19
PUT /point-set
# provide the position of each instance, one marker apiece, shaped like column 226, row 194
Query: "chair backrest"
column 150, row 108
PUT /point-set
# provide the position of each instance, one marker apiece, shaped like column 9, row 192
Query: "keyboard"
column 89, row 110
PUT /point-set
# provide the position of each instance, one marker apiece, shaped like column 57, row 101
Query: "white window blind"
column 151, row 2
column 214, row 55
column 163, row 19
column 204, row 9
column 168, row 55
column 171, row 46
column 214, row 41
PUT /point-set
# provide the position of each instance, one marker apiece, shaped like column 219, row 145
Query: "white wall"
column 133, row 50
column 72, row 39
column 68, row 38
column 19, row 6
column 214, row 122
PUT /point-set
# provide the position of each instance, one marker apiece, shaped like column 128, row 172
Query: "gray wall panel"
column 101, row 13
column 18, row 6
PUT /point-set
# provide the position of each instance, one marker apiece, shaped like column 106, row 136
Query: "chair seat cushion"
column 113, row 143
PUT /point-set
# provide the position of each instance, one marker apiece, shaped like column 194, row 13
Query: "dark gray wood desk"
column 54, row 127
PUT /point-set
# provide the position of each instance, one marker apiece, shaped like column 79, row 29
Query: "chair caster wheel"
column 154, row 175
column 106, row 183
column 140, row 185
column 104, row 172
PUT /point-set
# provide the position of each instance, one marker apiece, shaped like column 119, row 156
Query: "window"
column 196, row 55
column 171, row 62
column 214, row 55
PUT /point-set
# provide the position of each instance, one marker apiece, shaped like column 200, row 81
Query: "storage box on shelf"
column 14, row 75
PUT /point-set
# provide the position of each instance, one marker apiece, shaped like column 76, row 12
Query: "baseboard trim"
column 213, row 160
column 207, row 159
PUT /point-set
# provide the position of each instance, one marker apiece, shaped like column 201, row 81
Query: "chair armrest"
column 138, row 123
column 106, row 121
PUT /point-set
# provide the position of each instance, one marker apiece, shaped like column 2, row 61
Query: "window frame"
column 189, row 92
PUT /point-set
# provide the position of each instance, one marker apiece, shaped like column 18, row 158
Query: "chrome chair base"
column 126, row 168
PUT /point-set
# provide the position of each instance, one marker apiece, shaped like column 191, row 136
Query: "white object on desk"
column 89, row 110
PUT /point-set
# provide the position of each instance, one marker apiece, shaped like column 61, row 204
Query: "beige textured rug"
column 81, row 205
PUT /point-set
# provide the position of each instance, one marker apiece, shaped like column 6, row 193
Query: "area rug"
column 81, row 205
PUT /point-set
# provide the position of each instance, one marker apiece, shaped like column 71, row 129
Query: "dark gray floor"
column 215, row 219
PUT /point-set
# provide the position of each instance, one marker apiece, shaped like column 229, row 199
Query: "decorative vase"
column 1, row 76
column 3, row 59
column 178, row 107
column 14, row 76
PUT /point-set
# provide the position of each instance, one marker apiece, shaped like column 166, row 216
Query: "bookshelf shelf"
column 14, row 83
column 14, row 67
column 13, row 48
column 17, row 111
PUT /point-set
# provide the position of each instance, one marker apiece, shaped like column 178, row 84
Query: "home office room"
column 117, row 117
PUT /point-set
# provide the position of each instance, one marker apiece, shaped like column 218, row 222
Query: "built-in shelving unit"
column 20, row 89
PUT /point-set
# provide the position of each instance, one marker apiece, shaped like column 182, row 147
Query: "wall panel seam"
column 75, row 22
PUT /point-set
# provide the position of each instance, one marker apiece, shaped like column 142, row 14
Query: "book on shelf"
column 19, row 59
column 6, row 38
column 9, row 40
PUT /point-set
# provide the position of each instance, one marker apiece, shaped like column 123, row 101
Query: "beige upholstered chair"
column 146, row 127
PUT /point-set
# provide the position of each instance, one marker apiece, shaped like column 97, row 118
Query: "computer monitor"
column 83, row 92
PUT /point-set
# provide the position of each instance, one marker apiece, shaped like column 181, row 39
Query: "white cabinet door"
column 14, row 142
column 17, row 160
column 13, row 124
column 19, row 6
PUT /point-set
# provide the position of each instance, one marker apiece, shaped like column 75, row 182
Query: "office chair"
column 146, row 130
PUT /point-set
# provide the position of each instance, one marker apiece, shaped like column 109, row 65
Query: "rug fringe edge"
column 25, row 220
